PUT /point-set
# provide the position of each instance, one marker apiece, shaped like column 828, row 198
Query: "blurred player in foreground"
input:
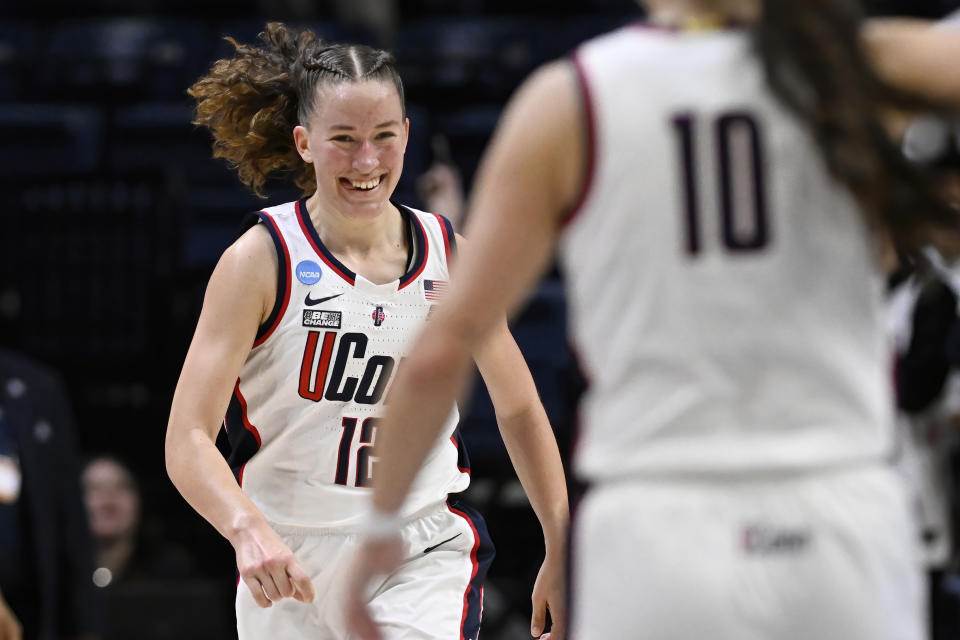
column 716, row 183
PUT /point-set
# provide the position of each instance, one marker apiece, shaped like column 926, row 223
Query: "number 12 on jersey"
column 363, row 475
column 740, row 177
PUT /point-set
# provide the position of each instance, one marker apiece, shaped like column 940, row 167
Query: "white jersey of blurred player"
column 741, row 356
column 302, row 424
column 926, row 441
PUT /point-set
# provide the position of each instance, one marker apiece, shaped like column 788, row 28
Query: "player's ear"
column 406, row 132
column 302, row 141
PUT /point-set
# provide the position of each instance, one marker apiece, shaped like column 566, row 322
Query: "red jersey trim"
column 313, row 238
column 473, row 572
column 246, row 424
column 447, row 229
column 286, row 275
column 591, row 123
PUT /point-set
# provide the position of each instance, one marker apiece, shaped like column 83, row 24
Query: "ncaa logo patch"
column 378, row 316
column 308, row 272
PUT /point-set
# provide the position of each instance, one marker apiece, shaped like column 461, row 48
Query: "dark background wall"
column 113, row 213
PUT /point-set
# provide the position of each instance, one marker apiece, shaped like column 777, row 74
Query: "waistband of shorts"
column 745, row 476
column 351, row 528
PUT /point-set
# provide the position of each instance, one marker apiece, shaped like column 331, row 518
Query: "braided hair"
column 252, row 101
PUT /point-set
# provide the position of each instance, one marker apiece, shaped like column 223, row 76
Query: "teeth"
column 368, row 184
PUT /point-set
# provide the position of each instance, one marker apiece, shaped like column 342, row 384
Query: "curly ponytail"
column 815, row 64
column 252, row 101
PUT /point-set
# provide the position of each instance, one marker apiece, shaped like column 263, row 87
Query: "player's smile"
column 364, row 185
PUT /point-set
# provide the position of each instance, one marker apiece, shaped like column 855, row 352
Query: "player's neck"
column 372, row 246
column 342, row 233
column 701, row 15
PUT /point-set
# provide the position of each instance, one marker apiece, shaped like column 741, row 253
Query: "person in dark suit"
column 46, row 590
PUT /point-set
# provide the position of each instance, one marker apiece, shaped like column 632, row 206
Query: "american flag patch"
column 434, row 289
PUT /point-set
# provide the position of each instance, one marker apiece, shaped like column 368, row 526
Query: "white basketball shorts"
column 437, row 594
column 829, row 556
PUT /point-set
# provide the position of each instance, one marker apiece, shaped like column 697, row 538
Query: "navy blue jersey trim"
column 481, row 556
column 409, row 218
column 463, row 458
column 243, row 442
column 449, row 236
column 420, row 238
column 282, row 275
column 307, row 224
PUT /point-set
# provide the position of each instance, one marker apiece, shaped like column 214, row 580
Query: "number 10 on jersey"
column 741, row 183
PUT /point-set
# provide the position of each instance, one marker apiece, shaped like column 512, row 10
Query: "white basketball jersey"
column 303, row 418
column 723, row 291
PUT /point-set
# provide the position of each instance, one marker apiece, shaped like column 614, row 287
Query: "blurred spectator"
column 45, row 553
column 113, row 504
column 113, row 508
column 440, row 187
column 130, row 565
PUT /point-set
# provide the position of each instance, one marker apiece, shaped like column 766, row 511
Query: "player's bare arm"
column 532, row 448
column 914, row 56
column 238, row 299
column 10, row 628
column 540, row 143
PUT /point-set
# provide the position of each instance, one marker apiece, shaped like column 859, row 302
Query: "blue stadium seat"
column 418, row 156
column 480, row 58
column 540, row 332
column 48, row 140
column 247, row 32
column 17, row 54
column 159, row 136
column 124, row 57
column 88, row 251
column 541, row 327
column 564, row 35
column 215, row 217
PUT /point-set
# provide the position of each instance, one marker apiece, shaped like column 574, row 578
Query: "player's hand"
column 549, row 594
column 269, row 568
column 372, row 559
column 10, row 628
column 441, row 188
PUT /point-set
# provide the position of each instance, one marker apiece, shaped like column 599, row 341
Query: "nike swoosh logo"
column 429, row 549
column 312, row 301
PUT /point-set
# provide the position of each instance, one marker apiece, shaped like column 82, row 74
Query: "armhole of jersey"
column 283, row 280
column 590, row 120
column 449, row 237
column 423, row 248
column 244, row 438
